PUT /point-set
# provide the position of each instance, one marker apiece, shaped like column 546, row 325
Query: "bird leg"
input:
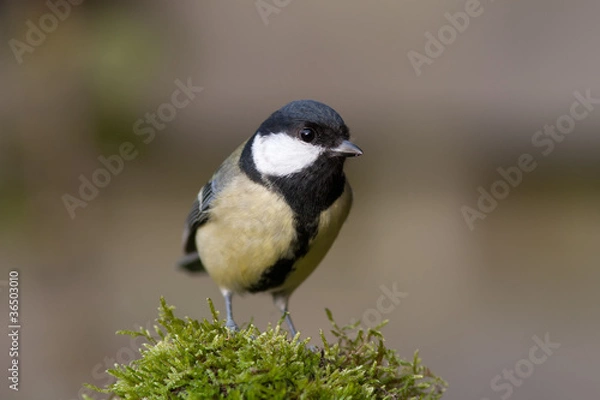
column 230, row 323
column 281, row 301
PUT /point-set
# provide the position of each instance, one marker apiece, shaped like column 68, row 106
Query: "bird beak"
column 347, row 149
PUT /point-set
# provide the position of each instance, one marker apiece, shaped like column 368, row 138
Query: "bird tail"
column 191, row 263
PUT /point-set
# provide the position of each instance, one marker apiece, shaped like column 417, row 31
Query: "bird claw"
column 232, row 326
column 313, row 349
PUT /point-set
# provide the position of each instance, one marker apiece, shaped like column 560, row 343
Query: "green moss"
column 204, row 360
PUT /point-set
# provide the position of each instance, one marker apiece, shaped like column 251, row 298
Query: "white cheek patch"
column 280, row 154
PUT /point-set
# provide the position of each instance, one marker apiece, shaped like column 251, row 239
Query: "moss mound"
column 204, row 360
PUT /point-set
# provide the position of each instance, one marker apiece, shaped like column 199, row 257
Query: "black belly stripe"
column 275, row 275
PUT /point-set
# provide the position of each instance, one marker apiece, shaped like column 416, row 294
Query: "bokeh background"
column 475, row 297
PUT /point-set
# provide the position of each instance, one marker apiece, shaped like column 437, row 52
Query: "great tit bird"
column 273, row 209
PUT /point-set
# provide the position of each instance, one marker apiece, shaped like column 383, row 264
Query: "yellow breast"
column 251, row 228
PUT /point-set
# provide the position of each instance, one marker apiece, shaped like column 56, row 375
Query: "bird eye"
column 307, row 135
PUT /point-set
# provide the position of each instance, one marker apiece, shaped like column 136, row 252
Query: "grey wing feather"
column 196, row 218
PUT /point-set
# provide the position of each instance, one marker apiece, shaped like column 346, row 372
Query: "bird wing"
column 198, row 215
column 200, row 212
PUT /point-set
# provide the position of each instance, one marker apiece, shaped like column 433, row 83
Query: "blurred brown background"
column 475, row 297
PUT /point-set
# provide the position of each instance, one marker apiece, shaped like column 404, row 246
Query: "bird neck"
column 314, row 189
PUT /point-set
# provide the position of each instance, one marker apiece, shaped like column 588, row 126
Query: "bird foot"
column 232, row 326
